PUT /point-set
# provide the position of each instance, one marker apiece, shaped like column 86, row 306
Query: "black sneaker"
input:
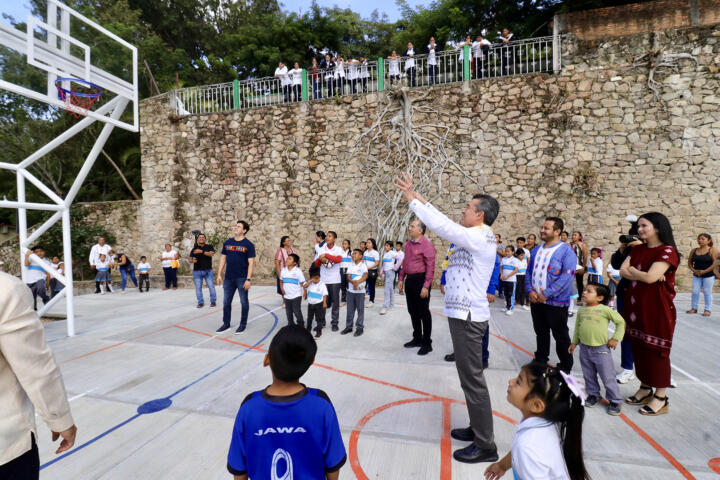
column 358, row 332
column 346, row 331
column 591, row 401
column 450, row 357
column 240, row 329
column 613, row 409
column 413, row 343
column 200, row 305
column 212, row 304
column 222, row 328
column 335, row 328
column 462, row 434
column 474, row 454
column 424, row 350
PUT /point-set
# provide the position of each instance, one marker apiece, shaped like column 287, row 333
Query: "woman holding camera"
column 649, row 310
column 702, row 263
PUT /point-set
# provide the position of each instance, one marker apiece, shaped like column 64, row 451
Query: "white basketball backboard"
column 53, row 46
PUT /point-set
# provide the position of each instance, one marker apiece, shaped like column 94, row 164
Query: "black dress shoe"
column 462, row 434
column 358, row 332
column 413, row 343
column 450, row 357
column 335, row 328
column 222, row 328
column 474, row 454
column 240, row 329
column 424, row 350
column 346, row 331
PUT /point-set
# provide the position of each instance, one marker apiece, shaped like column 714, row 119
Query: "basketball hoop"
column 79, row 99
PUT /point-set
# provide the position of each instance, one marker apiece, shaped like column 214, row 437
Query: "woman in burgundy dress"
column 649, row 310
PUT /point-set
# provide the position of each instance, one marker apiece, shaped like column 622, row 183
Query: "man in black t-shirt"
column 201, row 255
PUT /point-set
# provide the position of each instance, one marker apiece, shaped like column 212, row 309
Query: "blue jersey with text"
column 294, row 437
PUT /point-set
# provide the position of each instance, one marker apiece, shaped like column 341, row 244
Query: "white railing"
column 520, row 57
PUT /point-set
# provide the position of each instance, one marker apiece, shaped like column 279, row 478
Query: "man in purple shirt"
column 417, row 272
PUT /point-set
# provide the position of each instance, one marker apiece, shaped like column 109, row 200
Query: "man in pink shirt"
column 417, row 272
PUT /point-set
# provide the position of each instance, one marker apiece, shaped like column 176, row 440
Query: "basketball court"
column 154, row 392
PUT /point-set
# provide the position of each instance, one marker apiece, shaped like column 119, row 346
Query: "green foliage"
column 83, row 236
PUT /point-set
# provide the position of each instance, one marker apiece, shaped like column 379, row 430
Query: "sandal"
column 706, row 313
column 646, row 410
column 634, row 400
column 692, row 310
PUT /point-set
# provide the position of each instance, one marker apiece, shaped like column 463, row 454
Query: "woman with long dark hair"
column 284, row 250
column 649, row 310
column 702, row 263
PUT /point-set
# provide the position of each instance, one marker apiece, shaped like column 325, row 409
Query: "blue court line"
column 138, row 415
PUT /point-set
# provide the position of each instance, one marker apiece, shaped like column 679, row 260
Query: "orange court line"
column 446, row 444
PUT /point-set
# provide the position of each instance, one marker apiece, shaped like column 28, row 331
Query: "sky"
column 20, row 8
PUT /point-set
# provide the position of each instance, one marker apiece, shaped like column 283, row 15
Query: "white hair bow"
column 576, row 389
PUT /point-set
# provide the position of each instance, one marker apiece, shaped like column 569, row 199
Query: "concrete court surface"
column 395, row 407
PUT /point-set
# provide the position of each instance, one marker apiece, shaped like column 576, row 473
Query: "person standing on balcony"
column 315, row 75
column 507, row 52
column 410, row 69
column 461, row 57
column 364, row 73
column 328, row 66
column 340, row 75
column 296, row 75
column 352, row 74
column 480, row 48
column 432, row 61
column 281, row 73
column 394, row 67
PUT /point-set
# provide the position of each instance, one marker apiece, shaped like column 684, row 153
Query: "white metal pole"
column 67, row 258
column 27, row 205
column 8, row 166
column 22, row 220
column 51, row 303
column 41, row 186
column 97, row 147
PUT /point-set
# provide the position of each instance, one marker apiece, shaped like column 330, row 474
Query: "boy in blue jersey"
column 287, row 430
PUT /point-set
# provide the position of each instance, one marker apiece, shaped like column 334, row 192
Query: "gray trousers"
column 597, row 361
column 38, row 290
column 333, row 302
column 355, row 301
column 389, row 300
column 467, row 339
column 292, row 307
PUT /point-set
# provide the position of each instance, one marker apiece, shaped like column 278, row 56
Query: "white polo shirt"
column 293, row 281
column 371, row 257
column 356, row 271
column 296, row 75
column 330, row 272
column 98, row 250
column 388, row 260
column 537, row 451
column 316, row 292
column 35, row 273
column 507, row 265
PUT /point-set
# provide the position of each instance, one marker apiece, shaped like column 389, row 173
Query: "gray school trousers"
column 355, row 301
column 467, row 339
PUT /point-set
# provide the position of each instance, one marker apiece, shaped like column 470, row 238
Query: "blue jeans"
column 124, row 274
column 198, row 276
column 229, row 287
column 626, row 356
column 706, row 285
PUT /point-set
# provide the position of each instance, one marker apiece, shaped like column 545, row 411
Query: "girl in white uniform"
column 548, row 441
column 394, row 67
column 340, row 75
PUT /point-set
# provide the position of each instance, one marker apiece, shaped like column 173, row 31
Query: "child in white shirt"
column 394, row 67
column 144, row 269
column 291, row 282
column 388, row 274
column 595, row 268
column 296, row 76
column 520, row 297
column 102, row 266
column 357, row 275
column 509, row 266
column 613, row 281
column 551, row 402
column 316, row 294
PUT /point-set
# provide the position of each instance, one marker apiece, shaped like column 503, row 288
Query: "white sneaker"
column 526, row 307
column 508, row 312
column 383, row 311
column 369, row 304
column 122, row 292
column 625, row 376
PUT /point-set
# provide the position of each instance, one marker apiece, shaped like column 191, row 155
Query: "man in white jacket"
column 466, row 307
column 100, row 248
column 29, row 377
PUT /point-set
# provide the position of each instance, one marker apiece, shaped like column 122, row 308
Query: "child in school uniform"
column 352, row 73
column 388, row 274
column 509, row 266
column 520, row 284
column 394, row 67
column 344, row 264
column 287, row 427
column 291, row 281
column 316, row 294
column 591, row 332
column 595, row 268
column 296, row 75
column 144, row 269
column 613, row 281
column 548, row 441
column 357, row 275
column 102, row 266
column 372, row 260
column 340, row 76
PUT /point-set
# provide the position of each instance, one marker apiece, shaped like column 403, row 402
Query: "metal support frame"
column 61, row 206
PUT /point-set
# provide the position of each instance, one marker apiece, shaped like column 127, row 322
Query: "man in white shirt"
column 329, row 260
column 100, row 248
column 432, row 61
column 480, row 48
column 507, row 52
column 29, row 379
column 466, row 306
column 281, row 72
column 410, row 69
column 296, row 75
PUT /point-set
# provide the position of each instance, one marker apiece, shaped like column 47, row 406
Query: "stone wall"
column 591, row 145
column 636, row 18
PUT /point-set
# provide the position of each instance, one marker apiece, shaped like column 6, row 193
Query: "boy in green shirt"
column 591, row 331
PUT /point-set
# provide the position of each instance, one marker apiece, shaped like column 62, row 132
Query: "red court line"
column 148, row 334
column 446, row 444
column 223, row 339
column 714, row 464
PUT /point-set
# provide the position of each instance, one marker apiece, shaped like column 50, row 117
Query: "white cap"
column 631, row 218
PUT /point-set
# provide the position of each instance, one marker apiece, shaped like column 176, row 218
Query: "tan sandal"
column 692, row 310
column 706, row 313
column 648, row 411
column 635, row 400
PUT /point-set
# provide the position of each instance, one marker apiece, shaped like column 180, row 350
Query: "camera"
column 628, row 238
